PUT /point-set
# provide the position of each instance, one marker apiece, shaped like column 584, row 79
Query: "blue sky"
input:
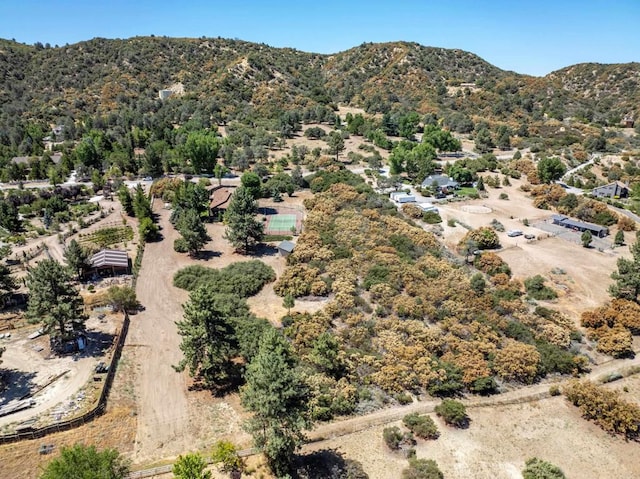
column 534, row 36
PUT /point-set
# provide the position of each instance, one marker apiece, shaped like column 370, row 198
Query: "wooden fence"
column 97, row 410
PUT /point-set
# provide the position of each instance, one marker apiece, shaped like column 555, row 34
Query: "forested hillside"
column 226, row 79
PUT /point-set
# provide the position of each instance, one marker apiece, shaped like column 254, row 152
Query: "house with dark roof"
column 220, row 199
column 442, row 183
column 110, row 261
column 566, row 222
column 612, row 190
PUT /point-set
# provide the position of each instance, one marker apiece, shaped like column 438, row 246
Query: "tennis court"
column 282, row 222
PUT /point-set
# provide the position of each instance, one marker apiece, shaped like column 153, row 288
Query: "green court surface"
column 282, row 222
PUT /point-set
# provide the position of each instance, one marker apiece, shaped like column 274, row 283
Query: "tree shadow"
column 207, row 255
column 327, row 464
column 267, row 210
column 19, row 384
column 264, row 250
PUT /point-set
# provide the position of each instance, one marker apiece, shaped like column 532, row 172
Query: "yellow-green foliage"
column 404, row 317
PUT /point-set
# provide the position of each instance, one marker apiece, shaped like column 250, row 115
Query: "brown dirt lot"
column 499, row 441
column 587, row 272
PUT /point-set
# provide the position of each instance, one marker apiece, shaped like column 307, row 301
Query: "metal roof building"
column 111, row 259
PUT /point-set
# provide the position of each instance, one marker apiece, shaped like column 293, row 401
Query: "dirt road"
column 163, row 410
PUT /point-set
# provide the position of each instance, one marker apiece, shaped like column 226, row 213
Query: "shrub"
column 243, row 279
column 496, row 225
column 394, row 438
column 536, row 289
column 422, row 469
column 492, row 264
column 432, row 218
column 484, row 237
column 503, row 196
column 453, row 413
column 538, row 469
column 605, row 408
column 421, row 426
column 180, row 245
column 626, row 224
column 451, row 223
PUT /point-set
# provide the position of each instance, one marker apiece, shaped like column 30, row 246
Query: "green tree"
column 480, row 184
column 619, row 238
column 478, row 284
column 538, row 469
column 141, row 204
column 125, row 199
column 288, row 302
column 503, row 139
column 53, row 301
column 586, row 238
column 408, row 125
column 7, row 282
column 148, row 230
column 98, row 180
column 77, row 258
column 484, row 142
column 550, row 169
column 277, row 396
column 422, row 469
column 453, row 412
column 85, row 462
column 9, row 218
column 154, row 156
column 243, row 229
column 208, row 338
column 252, row 182
column 201, row 148
column 225, row 453
column 335, row 143
column 627, row 278
column 122, row 298
column 190, row 466
column 193, row 231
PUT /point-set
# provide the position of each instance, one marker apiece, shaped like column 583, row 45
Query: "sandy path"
column 163, row 410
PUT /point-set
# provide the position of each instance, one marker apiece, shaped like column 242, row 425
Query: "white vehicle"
column 513, row 233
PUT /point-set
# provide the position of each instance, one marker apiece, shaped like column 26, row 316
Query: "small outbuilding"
column 111, row 261
column 285, row 248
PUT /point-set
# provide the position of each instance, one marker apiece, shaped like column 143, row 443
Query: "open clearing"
column 499, row 441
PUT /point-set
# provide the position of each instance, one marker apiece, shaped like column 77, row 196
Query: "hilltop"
column 232, row 78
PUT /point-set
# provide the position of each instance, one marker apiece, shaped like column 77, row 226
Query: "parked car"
column 513, row 233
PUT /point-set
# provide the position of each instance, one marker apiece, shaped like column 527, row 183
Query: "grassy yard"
column 467, row 191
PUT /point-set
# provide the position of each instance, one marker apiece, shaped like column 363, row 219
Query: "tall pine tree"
column 277, row 396
column 53, row 300
column 243, row 229
column 208, row 339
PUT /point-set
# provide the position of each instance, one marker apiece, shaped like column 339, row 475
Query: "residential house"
column 442, row 183
column 612, row 190
column 220, row 199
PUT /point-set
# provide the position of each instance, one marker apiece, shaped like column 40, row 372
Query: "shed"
column 286, row 248
column 110, row 260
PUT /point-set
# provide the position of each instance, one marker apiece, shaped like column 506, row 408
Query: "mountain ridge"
column 100, row 75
